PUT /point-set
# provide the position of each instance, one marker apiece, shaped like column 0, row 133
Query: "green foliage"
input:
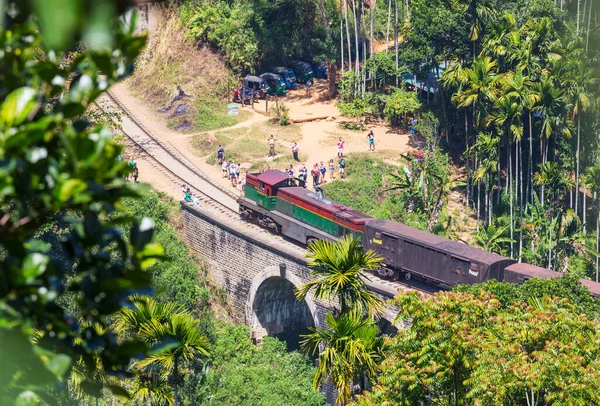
column 258, row 33
column 178, row 279
column 338, row 270
column 476, row 351
column 225, row 26
column 248, row 375
column 400, row 103
column 282, row 112
column 567, row 286
column 383, row 66
column 55, row 164
column 355, row 109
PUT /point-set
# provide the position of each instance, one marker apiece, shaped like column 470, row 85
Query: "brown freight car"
column 409, row 251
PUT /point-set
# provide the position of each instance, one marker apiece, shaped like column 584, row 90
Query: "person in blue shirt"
column 220, row 153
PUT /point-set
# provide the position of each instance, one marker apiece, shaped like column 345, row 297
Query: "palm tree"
column 486, row 146
column 580, row 83
column 340, row 269
column 350, row 349
column 552, row 175
column 173, row 333
column 481, row 91
column 151, row 387
column 183, row 343
column 490, row 238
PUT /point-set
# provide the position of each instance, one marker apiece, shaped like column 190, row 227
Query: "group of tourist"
column 231, row 170
column 317, row 172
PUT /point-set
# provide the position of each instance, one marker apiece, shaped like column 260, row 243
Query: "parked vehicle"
column 302, row 70
column 257, row 84
column 287, row 75
column 247, row 96
column 275, row 82
column 320, row 69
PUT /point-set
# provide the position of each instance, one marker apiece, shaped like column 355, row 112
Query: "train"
column 274, row 201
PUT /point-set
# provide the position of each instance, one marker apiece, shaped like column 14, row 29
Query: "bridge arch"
column 273, row 310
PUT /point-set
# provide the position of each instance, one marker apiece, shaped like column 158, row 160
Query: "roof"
column 332, row 207
column 271, row 177
column 270, row 75
column 594, row 287
column 280, row 68
column 251, row 78
column 301, row 64
column 443, row 244
column 533, row 271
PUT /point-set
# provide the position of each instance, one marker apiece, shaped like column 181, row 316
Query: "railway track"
column 174, row 165
column 180, row 170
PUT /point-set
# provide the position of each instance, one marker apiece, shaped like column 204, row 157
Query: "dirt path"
column 318, row 140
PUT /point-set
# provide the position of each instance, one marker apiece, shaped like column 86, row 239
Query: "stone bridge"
column 258, row 272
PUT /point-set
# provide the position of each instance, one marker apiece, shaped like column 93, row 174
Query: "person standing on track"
column 371, row 138
column 271, row 141
column 340, row 147
column 224, row 168
column 232, row 174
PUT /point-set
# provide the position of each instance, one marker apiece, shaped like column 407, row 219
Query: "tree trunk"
column 468, row 158
column 389, row 22
column 341, row 38
column 510, row 196
column 597, row 237
column 396, row 40
column 520, row 154
column 578, row 7
column 577, row 150
column 530, row 169
column 587, row 35
column 364, row 47
column 321, row 6
column 348, row 35
column 356, row 56
column 584, row 205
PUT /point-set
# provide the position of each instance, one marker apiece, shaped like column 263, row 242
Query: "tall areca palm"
column 351, row 348
column 552, row 175
column 340, row 269
column 486, row 147
column 481, row 91
column 580, row 84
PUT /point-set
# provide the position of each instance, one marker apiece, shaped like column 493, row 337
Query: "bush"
column 247, row 375
column 400, row 103
column 181, row 278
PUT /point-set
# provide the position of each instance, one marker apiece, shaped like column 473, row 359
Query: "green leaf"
column 18, row 106
column 27, row 398
column 59, row 365
column 58, row 20
column 71, row 188
column 34, row 265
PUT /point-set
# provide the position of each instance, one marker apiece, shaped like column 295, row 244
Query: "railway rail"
column 179, row 169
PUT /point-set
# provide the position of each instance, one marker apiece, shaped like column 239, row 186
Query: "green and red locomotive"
column 277, row 203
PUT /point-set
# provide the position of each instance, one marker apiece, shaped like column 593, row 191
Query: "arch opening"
column 277, row 312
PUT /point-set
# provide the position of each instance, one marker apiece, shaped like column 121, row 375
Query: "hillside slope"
column 170, row 60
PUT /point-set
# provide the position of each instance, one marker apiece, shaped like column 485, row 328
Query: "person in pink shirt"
column 340, row 148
